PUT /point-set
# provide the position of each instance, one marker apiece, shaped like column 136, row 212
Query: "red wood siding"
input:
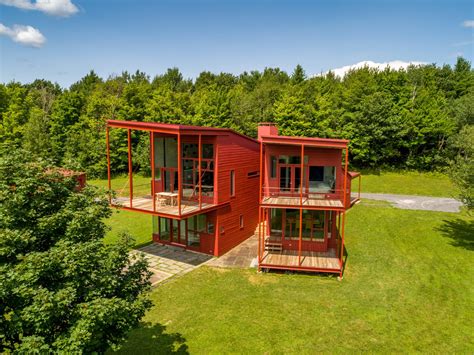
column 242, row 156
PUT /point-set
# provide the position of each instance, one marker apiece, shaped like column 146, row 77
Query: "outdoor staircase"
column 270, row 243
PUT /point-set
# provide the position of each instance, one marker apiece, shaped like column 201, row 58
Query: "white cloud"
column 468, row 23
column 395, row 65
column 61, row 8
column 25, row 35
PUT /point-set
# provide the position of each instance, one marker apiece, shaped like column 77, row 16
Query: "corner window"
column 273, row 166
column 232, row 183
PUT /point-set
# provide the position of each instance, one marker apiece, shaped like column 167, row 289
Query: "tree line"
column 393, row 118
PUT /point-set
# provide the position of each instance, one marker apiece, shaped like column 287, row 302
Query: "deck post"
column 130, row 169
column 301, row 174
column 260, row 192
column 152, row 148
column 109, row 180
column 360, row 178
column 300, row 236
column 346, row 163
column 179, row 174
column 259, row 231
column 199, row 170
column 342, row 235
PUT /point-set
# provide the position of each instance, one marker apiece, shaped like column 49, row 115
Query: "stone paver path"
column 242, row 256
column 168, row 261
column 412, row 202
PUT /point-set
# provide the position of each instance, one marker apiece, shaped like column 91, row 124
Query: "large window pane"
column 322, row 179
column 208, row 151
column 165, row 229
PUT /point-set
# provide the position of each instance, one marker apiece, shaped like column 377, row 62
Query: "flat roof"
column 313, row 142
column 173, row 128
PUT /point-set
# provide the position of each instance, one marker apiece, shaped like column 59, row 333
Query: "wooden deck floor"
column 319, row 260
column 295, row 201
column 146, row 203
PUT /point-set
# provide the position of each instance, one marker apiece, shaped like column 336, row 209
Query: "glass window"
column 232, row 183
column 273, row 167
column 164, row 229
column 190, row 150
column 208, row 151
column 210, row 228
column 322, row 179
column 313, row 225
column 241, row 221
column 208, row 183
column 292, row 223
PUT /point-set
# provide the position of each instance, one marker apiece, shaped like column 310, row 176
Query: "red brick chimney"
column 267, row 129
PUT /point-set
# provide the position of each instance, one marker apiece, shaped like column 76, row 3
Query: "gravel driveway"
column 412, row 202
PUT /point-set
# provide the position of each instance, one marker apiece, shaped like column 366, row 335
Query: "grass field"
column 408, row 287
column 407, row 183
column 404, row 183
column 139, row 225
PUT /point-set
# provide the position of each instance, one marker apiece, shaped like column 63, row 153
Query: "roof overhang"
column 307, row 142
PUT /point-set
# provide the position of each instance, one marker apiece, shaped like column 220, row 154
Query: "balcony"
column 333, row 199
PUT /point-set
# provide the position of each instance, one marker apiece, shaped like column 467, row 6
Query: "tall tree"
column 62, row 290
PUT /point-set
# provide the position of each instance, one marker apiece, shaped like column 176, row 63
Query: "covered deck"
column 145, row 204
column 179, row 171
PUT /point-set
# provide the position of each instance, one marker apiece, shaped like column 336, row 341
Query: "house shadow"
column 153, row 339
column 460, row 231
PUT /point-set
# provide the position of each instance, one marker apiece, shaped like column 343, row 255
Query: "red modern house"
column 203, row 190
column 211, row 187
column 305, row 191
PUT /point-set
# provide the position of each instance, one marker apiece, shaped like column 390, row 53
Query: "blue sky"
column 70, row 37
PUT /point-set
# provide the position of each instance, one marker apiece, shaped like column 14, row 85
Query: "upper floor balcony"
column 171, row 169
column 305, row 172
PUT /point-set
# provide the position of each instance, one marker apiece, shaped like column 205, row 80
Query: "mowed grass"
column 406, row 183
column 407, row 287
column 120, row 184
column 400, row 182
column 138, row 225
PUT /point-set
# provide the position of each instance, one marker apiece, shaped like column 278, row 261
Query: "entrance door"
column 290, row 178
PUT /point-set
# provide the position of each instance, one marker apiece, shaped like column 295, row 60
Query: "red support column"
column 300, row 236
column 179, row 174
column 301, row 174
column 199, row 170
column 130, row 168
column 345, row 177
column 261, row 173
column 109, row 180
column 259, row 236
column 152, row 148
column 342, row 235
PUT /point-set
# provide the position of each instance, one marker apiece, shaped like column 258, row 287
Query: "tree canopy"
column 393, row 118
column 61, row 288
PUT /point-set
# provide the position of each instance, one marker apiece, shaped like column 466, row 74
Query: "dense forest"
column 410, row 119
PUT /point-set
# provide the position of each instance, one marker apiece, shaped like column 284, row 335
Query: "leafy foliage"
column 61, row 288
column 393, row 118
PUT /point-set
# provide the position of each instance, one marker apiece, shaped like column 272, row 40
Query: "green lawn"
column 402, row 182
column 407, row 183
column 408, row 287
column 139, row 225
column 120, row 184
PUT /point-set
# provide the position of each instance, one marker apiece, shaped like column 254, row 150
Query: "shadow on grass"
column 153, row 339
column 461, row 232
